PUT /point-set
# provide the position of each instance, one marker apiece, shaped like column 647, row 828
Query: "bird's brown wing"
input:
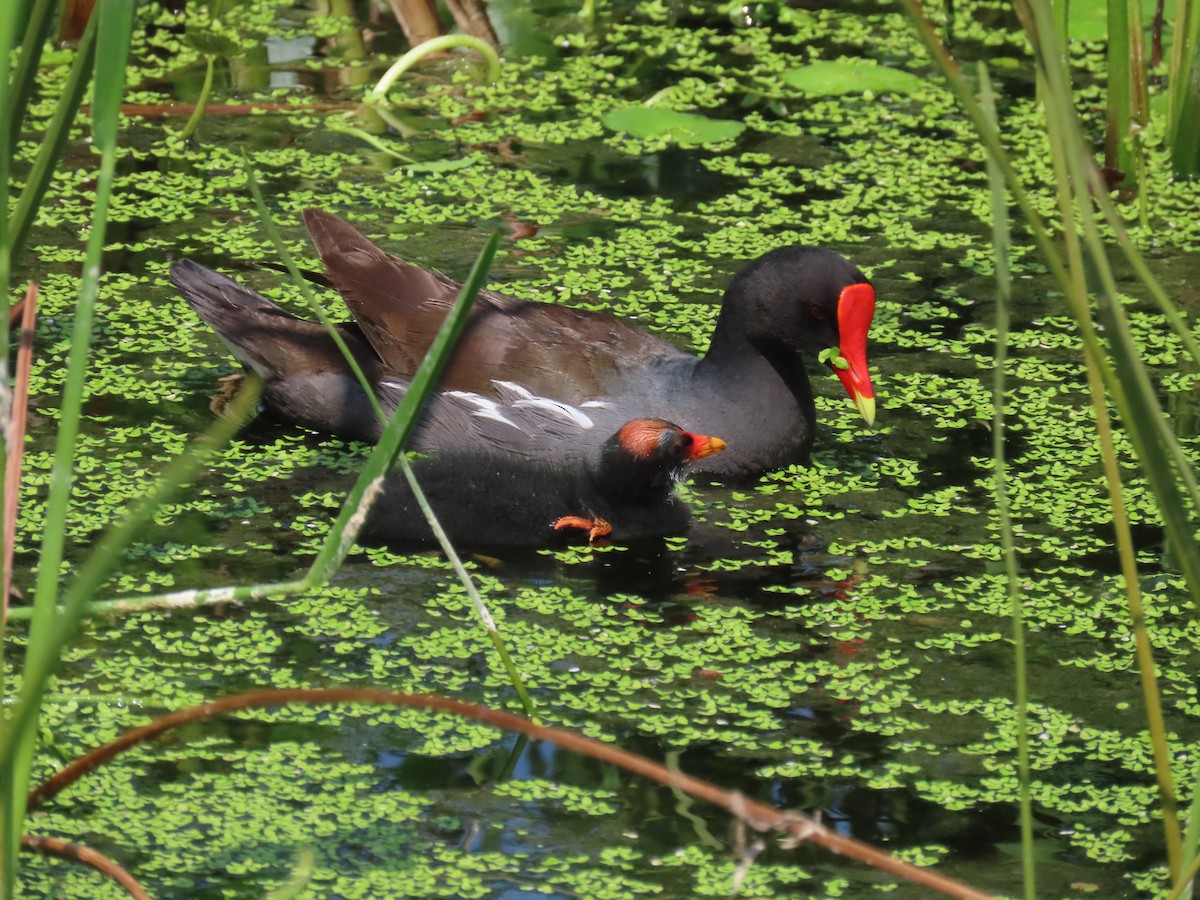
column 568, row 354
column 260, row 334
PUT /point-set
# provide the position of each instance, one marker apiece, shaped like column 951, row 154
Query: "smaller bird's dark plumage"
column 627, row 492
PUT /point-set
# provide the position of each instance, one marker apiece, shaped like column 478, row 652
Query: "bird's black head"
column 803, row 301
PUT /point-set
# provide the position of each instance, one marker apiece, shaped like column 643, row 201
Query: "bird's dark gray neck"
column 771, row 374
column 767, row 411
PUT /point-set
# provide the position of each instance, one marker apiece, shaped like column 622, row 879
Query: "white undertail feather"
column 242, row 355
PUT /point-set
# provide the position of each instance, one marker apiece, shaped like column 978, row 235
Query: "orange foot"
column 595, row 526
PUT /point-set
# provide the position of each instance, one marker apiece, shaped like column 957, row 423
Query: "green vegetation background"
column 846, row 652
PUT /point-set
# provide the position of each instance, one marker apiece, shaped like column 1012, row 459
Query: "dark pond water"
column 832, row 639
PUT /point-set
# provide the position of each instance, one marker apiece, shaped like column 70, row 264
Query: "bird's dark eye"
column 673, row 441
column 820, row 313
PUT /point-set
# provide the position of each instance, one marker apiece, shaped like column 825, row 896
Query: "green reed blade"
column 108, row 551
column 1122, row 374
column 341, row 535
column 1001, row 239
column 1183, row 97
column 19, row 736
column 54, row 140
column 24, row 74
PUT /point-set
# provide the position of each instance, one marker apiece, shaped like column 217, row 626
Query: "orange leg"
column 229, row 386
column 595, row 526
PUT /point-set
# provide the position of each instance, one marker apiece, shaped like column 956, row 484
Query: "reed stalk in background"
column 8, row 32
column 1128, row 96
column 11, row 816
column 1183, row 97
column 1127, row 86
column 54, row 140
column 1116, row 373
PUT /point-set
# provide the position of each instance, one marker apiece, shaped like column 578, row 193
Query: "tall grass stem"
column 477, row 602
column 1128, row 102
column 54, row 139
column 1183, row 94
column 12, row 800
column 1001, row 240
column 197, row 115
column 310, row 299
column 1076, row 179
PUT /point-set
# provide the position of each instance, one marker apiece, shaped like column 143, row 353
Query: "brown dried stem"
column 472, row 18
column 795, row 826
column 57, row 847
column 418, row 19
column 15, row 436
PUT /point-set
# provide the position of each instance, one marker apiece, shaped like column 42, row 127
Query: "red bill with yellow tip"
column 703, row 445
column 856, row 308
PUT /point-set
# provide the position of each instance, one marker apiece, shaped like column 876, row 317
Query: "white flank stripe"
column 476, row 400
column 511, row 391
column 559, row 410
column 496, row 415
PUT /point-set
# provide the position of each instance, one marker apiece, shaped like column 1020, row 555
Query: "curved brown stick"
column 15, row 312
column 52, row 846
column 797, row 826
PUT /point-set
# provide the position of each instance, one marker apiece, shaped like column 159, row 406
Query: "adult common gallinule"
column 625, row 492
column 562, row 365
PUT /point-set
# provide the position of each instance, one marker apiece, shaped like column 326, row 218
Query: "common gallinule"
column 564, row 366
column 626, row 492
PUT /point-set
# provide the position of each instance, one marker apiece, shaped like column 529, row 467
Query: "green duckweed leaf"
column 211, row 43
column 685, row 129
column 828, row 78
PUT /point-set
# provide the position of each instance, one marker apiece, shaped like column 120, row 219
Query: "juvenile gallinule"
column 625, row 492
column 564, row 366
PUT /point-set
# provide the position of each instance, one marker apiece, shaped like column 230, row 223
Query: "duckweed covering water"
column 832, row 638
